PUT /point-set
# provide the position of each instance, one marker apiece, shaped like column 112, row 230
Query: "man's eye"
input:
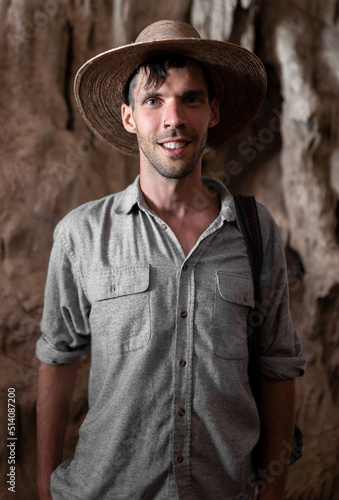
column 152, row 101
column 194, row 100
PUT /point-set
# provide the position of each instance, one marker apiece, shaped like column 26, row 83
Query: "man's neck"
column 176, row 198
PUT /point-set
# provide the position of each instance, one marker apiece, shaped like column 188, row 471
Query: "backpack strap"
column 250, row 227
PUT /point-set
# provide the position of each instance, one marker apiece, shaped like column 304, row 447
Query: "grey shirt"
column 171, row 414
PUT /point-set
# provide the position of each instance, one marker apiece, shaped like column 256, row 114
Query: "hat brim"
column 238, row 76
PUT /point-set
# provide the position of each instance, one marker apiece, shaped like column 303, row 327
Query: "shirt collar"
column 130, row 197
column 227, row 211
column 133, row 195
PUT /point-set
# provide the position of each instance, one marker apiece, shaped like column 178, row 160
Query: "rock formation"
column 289, row 158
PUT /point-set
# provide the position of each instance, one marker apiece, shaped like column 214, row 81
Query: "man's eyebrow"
column 195, row 93
column 149, row 92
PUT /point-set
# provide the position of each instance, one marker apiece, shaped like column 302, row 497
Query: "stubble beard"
column 176, row 172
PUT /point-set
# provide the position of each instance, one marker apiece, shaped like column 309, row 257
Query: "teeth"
column 174, row 145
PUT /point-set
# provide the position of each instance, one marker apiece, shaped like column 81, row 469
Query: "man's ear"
column 127, row 118
column 215, row 113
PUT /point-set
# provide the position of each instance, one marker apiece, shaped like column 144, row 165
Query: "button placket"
column 184, row 369
column 183, row 389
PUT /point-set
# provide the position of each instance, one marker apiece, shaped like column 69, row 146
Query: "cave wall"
column 289, row 158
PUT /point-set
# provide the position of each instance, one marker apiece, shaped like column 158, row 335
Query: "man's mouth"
column 174, row 145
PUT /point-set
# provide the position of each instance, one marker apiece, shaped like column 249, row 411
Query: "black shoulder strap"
column 249, row 223
column 250, row 227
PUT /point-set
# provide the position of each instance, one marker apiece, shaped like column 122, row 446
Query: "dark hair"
column 157, row 69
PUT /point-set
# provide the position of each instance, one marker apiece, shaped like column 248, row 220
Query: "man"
column 156, row 282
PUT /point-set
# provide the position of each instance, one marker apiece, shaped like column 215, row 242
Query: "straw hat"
column 238, row 76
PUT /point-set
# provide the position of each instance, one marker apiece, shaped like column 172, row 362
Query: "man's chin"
column 174, row 173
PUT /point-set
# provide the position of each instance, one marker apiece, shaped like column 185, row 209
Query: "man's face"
column 171, row 121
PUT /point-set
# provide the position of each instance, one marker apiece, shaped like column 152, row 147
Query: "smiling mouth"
column 174, row 145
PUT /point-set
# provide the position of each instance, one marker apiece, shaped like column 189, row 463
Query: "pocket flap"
column 119, row 282
column 236, row 288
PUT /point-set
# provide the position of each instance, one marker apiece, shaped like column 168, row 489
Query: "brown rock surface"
column 289, row 158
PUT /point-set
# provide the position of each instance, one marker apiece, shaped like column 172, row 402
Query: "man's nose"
column 174, row 115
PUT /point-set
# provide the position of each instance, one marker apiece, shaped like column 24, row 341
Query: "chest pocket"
column 234, row 297
column 120, row 314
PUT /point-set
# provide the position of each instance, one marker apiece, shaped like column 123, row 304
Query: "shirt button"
column 182, row 412
column 180, row 459
column 163, row 227
column 184, row 314
column 184, row 267
column 182, row 363
column 245, row 298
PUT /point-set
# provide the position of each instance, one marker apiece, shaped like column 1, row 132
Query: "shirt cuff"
column 51, row 356
column 282, row 368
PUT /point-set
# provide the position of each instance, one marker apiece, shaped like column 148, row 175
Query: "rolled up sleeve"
column 280, row 351
column 64, row 325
